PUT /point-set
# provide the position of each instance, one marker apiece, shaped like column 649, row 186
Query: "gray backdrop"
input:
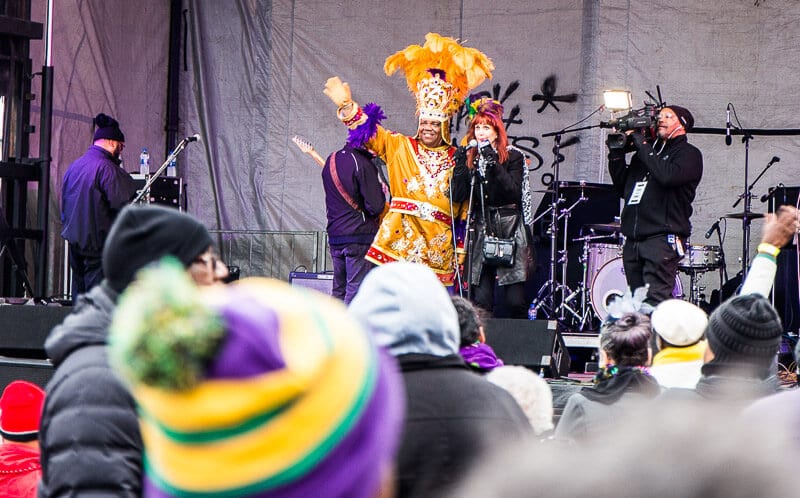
column 254, row 72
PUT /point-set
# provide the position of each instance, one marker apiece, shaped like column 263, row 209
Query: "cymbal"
column 587, row 238
column 740, row 216
column 581, row 185
column 603, row 227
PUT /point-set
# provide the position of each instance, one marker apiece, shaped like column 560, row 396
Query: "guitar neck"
column 317, row 158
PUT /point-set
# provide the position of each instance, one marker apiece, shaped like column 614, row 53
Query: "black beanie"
column 744, row 330
column 684, row 116
column 107, row 127
column 144, row 234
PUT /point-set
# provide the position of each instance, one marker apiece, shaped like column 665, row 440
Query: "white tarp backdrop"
column 254, row 72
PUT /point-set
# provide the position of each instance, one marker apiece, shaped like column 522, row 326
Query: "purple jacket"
column 95, row 188
column 359, row 178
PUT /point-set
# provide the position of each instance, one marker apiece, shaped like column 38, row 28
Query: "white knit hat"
column 680, row 323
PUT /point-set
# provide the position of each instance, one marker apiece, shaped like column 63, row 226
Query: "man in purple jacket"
column 94, row 190
column 354, row 201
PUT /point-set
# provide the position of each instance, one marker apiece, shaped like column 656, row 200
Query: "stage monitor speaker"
column 320, row 282
column 786, row 293
column 24, row 328
column 535, row 344
column 166, row 190
column 38, row 372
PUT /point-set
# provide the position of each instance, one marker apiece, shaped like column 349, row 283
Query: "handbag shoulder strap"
column 339, row 187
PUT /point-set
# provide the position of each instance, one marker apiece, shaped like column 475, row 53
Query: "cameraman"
column 658, row 188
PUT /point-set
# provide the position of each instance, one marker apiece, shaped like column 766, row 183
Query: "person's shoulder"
column 514, row 152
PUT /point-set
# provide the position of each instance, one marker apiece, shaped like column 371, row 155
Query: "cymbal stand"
column 747, row 218
column 546, row 297
column 748, row 197
column 586, row 312
column 545, row 300
column 563, row 259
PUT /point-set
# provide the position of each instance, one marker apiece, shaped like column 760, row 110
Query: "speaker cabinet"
column 320, row 282
column 787, row 297
column 38, row 372
column 535, row 344
column 23, row 330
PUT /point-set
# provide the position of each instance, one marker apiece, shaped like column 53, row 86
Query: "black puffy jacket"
column 89, row 435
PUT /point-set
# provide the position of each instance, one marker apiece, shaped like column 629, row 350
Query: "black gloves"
column 460, row 157
column 489, row 155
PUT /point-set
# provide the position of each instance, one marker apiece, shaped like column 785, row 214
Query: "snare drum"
column 610, row 283
column 699, row 257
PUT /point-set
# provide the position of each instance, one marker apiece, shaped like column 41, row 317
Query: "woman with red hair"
column 496, row 210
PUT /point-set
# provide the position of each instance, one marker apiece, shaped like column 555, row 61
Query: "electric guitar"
column 306, row 147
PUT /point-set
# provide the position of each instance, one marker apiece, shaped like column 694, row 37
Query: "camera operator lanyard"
column 638, row 191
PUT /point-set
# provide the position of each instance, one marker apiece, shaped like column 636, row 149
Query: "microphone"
column 775, row 159
column 471, row 145
column 727, row 126
column 770, row 193
column 715, row 226
column 193, row 138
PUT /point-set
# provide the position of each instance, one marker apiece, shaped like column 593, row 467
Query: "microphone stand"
column 748, row 197
column 467, row 238
column 172, row 156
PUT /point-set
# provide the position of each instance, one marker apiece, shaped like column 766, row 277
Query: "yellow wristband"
column 768, row 248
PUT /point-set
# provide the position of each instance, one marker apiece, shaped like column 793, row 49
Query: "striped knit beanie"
column 254, row 389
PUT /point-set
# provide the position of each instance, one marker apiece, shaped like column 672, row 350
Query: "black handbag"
column 497, row 251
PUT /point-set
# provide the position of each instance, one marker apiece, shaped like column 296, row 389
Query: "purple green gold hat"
column 254, row 389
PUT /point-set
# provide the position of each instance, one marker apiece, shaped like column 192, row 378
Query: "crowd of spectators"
column 171, row 383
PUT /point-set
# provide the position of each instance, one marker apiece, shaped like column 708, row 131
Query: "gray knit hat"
column 144, row 234
column 744, row 330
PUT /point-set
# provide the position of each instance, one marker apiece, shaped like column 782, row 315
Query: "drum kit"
column 604, row 275
column 602, row 280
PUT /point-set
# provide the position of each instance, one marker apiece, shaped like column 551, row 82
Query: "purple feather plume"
column 361, row 135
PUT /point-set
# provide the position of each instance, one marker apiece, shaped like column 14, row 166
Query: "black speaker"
column 787, row 297
column 536, row 344
column 167, row 191
column 38, row 372
column 24, row 328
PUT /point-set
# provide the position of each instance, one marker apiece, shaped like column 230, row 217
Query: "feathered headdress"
column 476, row 103
column 441, row 73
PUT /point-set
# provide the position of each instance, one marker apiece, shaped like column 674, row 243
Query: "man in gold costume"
column 422, row 225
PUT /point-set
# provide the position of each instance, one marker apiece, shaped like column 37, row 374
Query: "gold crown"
column 436, row 99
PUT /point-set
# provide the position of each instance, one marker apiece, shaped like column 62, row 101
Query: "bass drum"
column 610, row 283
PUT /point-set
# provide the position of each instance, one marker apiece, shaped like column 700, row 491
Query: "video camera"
column 644, row 119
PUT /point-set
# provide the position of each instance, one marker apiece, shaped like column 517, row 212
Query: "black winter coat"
column 501, row 187
column 452, row 416
column 89, row 434
column 672, row 177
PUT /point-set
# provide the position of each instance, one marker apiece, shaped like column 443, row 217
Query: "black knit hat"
column 144, row 234
column 107, row 127
column 684, row 116
column 744, row 330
